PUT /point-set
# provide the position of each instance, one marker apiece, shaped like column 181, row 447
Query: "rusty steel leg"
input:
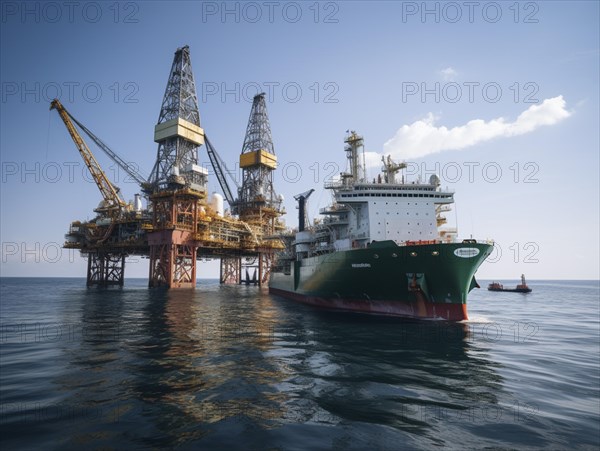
column 265, row 263
column 231, row 270
column 105, row 268
column 172, row 259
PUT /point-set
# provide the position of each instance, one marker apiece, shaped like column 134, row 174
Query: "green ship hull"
column 428, row 281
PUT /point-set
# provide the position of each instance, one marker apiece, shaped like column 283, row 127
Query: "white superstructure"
column 386, row 209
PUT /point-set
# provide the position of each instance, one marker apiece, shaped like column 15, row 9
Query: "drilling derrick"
column 257, row 205
column 177, row 182
column 257, row 198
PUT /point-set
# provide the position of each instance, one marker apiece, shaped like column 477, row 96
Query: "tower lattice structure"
column 178, row 183
column 256, row 197
column 178, row 131
column 257, row 204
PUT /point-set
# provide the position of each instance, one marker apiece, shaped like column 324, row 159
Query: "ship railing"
column 474, row 241
column 335, row 184
column 334, row 222
column 420, row 242
column 317, row 249
column 441, row 241
column 333, row 209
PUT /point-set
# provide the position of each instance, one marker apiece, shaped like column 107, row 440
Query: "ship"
column 521, row 288
column 380, row 247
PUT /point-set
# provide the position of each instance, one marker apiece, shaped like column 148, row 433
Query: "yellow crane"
column 112, row 203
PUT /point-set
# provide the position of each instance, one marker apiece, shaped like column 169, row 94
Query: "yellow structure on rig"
column 258, row 158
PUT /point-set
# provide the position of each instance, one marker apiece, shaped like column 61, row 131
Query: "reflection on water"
column 200, row 358
column 232, row 366
column 384, row 371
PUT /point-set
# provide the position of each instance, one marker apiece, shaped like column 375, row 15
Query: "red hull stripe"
column 421, row 308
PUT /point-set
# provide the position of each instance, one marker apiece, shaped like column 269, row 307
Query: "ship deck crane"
column 112, row 204
column 390, row 168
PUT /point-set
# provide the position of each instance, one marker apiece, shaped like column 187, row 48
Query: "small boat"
column 521, row 288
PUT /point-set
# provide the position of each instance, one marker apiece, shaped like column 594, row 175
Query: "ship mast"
column 354, row 146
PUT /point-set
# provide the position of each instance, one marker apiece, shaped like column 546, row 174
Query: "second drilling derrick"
column 177, row 182
column 258, row 205
column 256, row 197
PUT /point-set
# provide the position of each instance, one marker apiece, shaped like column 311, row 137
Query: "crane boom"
column 218, row 165
column 112, row 155
column 112, row 202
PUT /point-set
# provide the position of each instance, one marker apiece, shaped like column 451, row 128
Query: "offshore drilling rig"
column 181, row 223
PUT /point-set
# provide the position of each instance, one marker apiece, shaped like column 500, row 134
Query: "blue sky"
column 501, row 101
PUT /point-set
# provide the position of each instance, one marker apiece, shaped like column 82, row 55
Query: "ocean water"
column 232, row 367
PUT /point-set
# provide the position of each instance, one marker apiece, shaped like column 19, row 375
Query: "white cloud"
column 423, row 137
column 449, row 74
